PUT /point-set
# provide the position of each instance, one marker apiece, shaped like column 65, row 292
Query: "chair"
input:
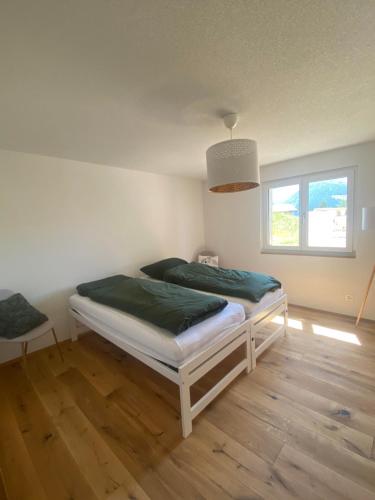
column 33, row 334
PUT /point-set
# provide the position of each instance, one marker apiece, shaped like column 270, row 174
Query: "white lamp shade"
column 368, row 219
column 232, row 166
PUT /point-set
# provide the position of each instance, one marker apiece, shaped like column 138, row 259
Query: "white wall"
column 232, row 228
column 64, row 222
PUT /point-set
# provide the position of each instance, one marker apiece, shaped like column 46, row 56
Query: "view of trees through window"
column 285, row 215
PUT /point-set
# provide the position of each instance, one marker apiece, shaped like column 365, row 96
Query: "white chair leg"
column 24, row 353
column 186, row 420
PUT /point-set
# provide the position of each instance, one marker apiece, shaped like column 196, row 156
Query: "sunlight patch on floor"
column 292, row 323
column 351, row 338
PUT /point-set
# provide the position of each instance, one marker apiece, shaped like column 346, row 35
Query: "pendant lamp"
column 232, row 165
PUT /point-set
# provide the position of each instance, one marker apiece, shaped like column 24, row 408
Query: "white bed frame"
column 279, row 307
column 196, row 367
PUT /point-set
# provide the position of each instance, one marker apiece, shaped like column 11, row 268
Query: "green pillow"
column 158, row 269
column 85, row 289
column 17, row 316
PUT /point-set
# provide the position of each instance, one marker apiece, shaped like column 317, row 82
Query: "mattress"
column 253, row 308
column 157, row 342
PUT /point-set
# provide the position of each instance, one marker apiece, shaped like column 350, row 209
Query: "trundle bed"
column 271, row 304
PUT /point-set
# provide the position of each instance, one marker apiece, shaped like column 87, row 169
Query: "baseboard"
column 339, row 315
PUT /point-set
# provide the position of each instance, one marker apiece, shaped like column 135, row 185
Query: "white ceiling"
column 140, row 84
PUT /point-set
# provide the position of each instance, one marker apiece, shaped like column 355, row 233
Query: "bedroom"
column 107, row 111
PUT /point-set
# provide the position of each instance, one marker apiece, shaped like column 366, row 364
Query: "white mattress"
column 157, row 342
column 253, row 308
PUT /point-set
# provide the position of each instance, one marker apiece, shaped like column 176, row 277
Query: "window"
column 310, row 214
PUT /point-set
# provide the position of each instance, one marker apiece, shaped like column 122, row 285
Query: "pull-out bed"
column 259, row 315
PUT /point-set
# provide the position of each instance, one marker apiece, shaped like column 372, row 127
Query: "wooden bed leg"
column 186, row 420
column 57, row 344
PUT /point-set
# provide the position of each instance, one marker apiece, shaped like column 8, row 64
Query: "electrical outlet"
column 348, row 298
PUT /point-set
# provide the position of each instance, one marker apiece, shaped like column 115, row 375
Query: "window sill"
column 311, row 253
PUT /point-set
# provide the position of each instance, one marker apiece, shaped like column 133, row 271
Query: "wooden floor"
column 103, row 426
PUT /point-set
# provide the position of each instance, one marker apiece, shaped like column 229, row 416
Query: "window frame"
column 303, row 181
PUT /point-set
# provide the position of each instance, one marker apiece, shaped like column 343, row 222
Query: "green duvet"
column 241, row 284
column 163, row 304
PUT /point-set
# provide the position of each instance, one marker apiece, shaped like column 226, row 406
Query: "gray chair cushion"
column 18, row 317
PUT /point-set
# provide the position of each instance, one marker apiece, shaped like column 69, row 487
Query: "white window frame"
column 303, row 181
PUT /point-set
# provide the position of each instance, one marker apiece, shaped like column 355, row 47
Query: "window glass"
column 284, row 215
column 327, row 213
column 310, row 214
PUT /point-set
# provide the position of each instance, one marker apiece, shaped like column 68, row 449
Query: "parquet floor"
column 104, row 426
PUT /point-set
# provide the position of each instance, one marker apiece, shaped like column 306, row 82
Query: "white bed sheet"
column 157, row 342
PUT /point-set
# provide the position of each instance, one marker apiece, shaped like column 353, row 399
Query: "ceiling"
column 142, row 84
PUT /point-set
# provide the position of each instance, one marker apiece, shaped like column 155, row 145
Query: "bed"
column 258, row 315
column 183, row 359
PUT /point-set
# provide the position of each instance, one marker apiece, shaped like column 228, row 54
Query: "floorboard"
column 103, row 426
